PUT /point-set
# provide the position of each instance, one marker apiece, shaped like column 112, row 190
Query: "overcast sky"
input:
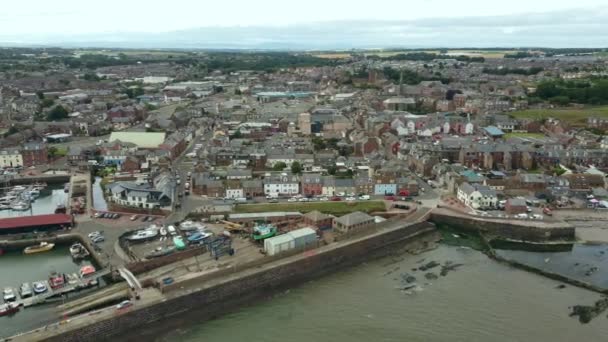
column 429, row 21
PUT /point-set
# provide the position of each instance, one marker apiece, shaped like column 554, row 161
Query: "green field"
column 333, row 208
column 524, row 135
column 573, row 116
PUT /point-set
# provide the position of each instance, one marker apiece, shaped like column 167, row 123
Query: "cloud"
column 572, row 28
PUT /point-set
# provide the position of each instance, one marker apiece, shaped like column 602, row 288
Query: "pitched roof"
column 353, row 218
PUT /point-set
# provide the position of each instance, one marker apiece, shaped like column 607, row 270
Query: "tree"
column 280, row 166
column 52, row 152
column 57, row 113
column 296, row 167
column 40, row 95
column 332, row 170
column 91, row 77
column 237, row 134
column 134, row 92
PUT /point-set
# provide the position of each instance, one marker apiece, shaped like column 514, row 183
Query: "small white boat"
column 163, row 231
column 20, row 206
column 34, row 193
column 18, row 188
column 40, row 287
column 9, row 294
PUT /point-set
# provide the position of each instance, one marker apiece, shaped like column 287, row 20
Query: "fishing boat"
column 8, row 309
column 56, row 280
column 40, row 287
column 25, row 290
column 199, row 236
column 78, row 251
column 263, row 231
column 20, row 206
column 18, row 188
column 160, row 252
column 72, row 279
column 42, row 247
column 9, row 294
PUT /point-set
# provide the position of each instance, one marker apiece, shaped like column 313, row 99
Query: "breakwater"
column 533, row 231
column 215, row 296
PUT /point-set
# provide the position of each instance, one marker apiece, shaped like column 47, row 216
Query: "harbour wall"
column 535, row 231
column 216, row 296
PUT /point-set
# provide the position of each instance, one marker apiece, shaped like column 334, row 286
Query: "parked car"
column 134, row 217
column 324, row 199
column 98, row 239
column 390, row 198
column 124, row 304
column 95, row 233
column 364, row 197
column 293, row 199
column 336, row 199
column 350, row 199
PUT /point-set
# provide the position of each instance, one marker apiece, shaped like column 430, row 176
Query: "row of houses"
column 30, row 154
column 308, row 184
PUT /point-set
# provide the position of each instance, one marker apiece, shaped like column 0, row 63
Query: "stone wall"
column 527, row 231
column 241, row 288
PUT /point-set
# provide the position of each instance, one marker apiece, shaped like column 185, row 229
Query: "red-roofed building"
column 25, row 224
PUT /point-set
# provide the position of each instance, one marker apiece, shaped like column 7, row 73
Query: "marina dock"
column 77, row 283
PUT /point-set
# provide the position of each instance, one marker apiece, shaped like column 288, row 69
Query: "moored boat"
column 56, row 280
column 40, row 287
column 25, row 290
column 78, row 251
column 8, row 309
column 20, row 206
column 86, row 271
column 9, row 294
column 42, row 247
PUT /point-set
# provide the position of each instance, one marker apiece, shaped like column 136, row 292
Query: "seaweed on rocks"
column 586, row 313
column 428, row 266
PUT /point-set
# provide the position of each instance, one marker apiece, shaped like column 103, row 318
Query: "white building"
column 234, row 193
column 282, row 184
column 477, row 196
column 10, row 158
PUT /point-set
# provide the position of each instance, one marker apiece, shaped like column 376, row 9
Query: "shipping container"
column 278, row 244
column 303, row 237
